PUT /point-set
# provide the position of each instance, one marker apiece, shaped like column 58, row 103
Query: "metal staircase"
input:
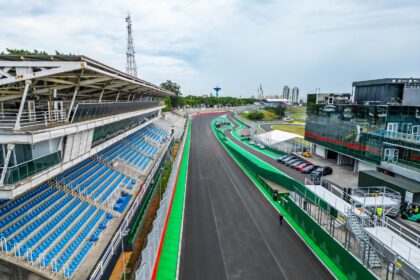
column 370, row 257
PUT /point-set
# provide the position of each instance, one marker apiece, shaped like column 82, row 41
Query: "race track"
column 281, row 167
column 230, row 230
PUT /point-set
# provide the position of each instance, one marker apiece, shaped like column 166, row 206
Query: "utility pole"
column 131, row 67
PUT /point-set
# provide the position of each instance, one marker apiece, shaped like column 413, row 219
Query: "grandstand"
column 79, row 151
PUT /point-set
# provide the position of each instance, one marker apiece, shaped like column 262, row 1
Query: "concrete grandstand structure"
column 78, row 153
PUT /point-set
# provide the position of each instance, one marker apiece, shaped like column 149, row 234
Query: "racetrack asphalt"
column 230, row 230
column 266, row 127
column 283, row 168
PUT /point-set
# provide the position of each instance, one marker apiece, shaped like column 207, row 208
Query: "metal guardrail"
column 29, row 119
column 407, row 137
column 149, row 254
column 123, row 228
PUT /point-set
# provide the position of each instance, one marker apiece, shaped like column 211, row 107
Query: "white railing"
column 29, row 119
column 124, row 227
column 149, row 254
column 415, row 138
column 367, row 221
column 401, row 230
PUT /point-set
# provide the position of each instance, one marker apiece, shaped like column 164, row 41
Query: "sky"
column 237, row 44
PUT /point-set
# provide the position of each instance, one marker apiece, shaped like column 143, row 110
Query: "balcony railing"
column 23, row 170
column 31, row 119
column 407, row 137
column 87, row 111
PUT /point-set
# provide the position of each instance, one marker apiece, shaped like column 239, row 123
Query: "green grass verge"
column 246, row 142
column 318, row 251
column 168, row 261
column 268, row 116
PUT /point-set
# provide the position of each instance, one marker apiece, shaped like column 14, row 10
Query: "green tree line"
column 29, row 52
column 179, row 101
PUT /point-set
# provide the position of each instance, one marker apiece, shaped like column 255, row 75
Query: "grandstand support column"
column 102, row 94
column 22, row 103
column 10, row 148
column 118, row 95
column 76, row 89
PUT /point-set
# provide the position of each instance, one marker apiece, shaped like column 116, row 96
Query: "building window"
column 392, row 127
column 416, row 130
column 391, row 155
column 406, row 128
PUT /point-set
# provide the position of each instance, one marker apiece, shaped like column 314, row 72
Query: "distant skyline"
column 239, row 45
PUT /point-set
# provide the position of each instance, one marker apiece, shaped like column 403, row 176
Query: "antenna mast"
column 131, row 68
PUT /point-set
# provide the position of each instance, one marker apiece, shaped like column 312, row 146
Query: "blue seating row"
column 15, row 203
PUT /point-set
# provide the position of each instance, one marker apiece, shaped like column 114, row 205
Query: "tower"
column 131, row 67
column 260, row 92
column 295, row 95
column 217, row 89
column 286, row 93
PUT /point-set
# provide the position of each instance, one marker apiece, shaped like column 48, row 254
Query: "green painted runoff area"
column 340, row 262
column 267, row 151
column 168, row 261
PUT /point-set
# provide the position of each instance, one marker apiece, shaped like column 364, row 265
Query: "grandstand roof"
column 64, row 73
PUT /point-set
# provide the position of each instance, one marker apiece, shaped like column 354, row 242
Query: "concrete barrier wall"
column 11, row 271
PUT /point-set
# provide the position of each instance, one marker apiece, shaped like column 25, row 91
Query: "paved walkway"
column 343, row 175
column 117, row 273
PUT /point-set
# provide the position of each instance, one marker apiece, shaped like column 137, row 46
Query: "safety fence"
column 123, row 229
column 343, row 259
column 150, row 253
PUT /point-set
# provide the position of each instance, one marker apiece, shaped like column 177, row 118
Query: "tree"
column 176, row 100
column 171, row 86
column 28, row 52
column 256, row 115
column 167, row 104
column 280, row 111
column 60, row 53
column 24, row 52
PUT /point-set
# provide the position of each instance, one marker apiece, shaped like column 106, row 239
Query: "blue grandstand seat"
column 58, row 229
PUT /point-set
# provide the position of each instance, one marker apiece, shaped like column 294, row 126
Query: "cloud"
column 238, row 44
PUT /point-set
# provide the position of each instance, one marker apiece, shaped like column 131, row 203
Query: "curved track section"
column 281, row 167
column 230, row 230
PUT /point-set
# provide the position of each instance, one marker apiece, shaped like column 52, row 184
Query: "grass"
column 268, row 116
column 296, row 112
column 297, row 129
